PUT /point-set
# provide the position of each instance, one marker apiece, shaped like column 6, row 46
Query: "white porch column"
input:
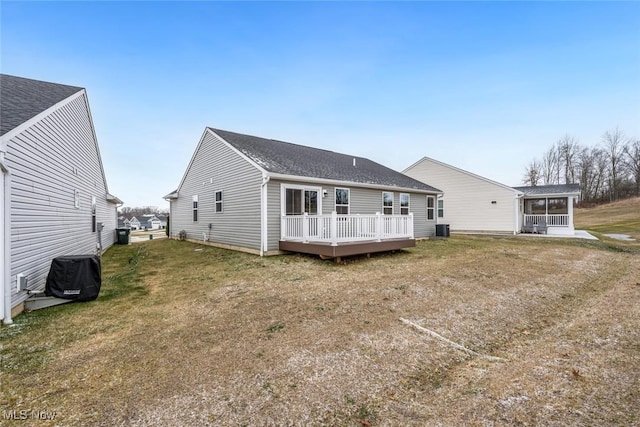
column 379, row 226
column 411, row 225
column 334, row 228
column 305, row 227
column 570, row 211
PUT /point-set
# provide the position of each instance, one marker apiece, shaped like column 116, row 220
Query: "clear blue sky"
column 484, row 86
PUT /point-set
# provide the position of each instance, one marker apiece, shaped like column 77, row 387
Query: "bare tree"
column 568, row 148
column 550, row 166
column 532, row 173
column 614, row 145
column 632, row 162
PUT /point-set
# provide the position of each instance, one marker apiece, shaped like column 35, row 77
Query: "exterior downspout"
column 264, row 235
column 5, row 232
column 517, row 214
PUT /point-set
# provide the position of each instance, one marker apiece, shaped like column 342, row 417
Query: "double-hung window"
column 342, row 201
column 218, row 201
column 195, row 208
column 387, row 203
column 431, row 207
column 404, row 203
column 93, row 214
column 440, row 208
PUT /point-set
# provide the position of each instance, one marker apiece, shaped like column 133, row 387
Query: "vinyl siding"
column 44, row 221
column 217, row 167
column 468, row 198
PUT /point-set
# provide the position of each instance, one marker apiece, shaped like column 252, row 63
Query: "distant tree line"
column 139, row 211
column 607, row 172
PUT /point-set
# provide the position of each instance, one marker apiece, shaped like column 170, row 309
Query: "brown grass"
column 621, row 217
column 201, row 336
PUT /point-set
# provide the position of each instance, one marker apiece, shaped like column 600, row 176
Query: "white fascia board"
column 490, row 181
column 535, row 196
column 336, row 182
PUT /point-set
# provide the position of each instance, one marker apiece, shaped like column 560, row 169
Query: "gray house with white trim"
column 54, row 199
column 265, row 196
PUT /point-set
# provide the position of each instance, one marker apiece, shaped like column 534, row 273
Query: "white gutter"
column 264, row 235
column 5, row 234
column 336, row 182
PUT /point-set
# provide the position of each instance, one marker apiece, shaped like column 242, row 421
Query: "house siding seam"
column 217, row 167
column 44, row 221
column 468, row 199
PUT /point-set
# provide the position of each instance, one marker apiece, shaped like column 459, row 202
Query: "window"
column 195, row 208
column 387, row 203
column 558, row 206
column 342, row 201
column 440, row 208
column 431, row 207
column 535, row 206
column 299, row 201
column 93, row 214
column 404, row 204
column 76, row 199
column 218, row 201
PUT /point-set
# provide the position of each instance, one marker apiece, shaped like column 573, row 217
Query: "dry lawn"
column 195, row 335
column 621, row 217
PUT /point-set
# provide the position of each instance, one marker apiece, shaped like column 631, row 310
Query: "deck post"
column 379, row 226
column 305, row 227
column 410, row 227
column 334, row 228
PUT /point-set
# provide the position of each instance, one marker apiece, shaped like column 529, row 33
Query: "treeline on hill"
column 607, row 172
column 138, row 212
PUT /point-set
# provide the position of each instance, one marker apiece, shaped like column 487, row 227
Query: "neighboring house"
column 54, row 199
column 163, row 221
column 126, row 223
column 150, row 222
column 265, row 196
column 134, row 223
column 475, row 204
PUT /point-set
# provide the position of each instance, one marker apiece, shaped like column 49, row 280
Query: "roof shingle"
column 21, row 99
column 549, row 189
column 298, row 160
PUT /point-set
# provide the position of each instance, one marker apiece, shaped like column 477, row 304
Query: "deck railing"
column 335, row 229
column 553, row 220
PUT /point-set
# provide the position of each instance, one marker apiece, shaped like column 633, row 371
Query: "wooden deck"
column 326, row 250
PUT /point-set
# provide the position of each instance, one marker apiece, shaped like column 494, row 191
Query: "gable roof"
column 547, row 190
column 22, row 99
column 285, row 158
column 461, row 171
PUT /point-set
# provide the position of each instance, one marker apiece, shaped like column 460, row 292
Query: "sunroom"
column 549, row 209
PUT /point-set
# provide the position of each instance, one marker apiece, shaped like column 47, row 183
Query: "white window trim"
column 392, row 201
column 434, row 208
column 335, row 202
column 408, row 206
column 438, row 201
column 283, row 195
column 221, row 202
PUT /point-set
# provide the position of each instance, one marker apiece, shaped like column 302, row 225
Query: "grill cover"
column 74, row 277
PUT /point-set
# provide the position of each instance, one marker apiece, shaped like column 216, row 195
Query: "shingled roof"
column 22, row 99
column 285, row 158
column 539, row 190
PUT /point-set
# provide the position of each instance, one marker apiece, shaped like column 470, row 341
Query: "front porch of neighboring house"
column 334, row 235
column 555, row 212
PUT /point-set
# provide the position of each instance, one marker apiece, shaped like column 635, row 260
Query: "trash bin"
column 123, row 235
column 442, row 230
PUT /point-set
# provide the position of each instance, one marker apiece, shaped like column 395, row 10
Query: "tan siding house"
column 474, row 204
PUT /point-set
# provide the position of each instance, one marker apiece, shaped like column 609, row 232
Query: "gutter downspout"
column 264, row 236
column 516, row 229
column 5, row 232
